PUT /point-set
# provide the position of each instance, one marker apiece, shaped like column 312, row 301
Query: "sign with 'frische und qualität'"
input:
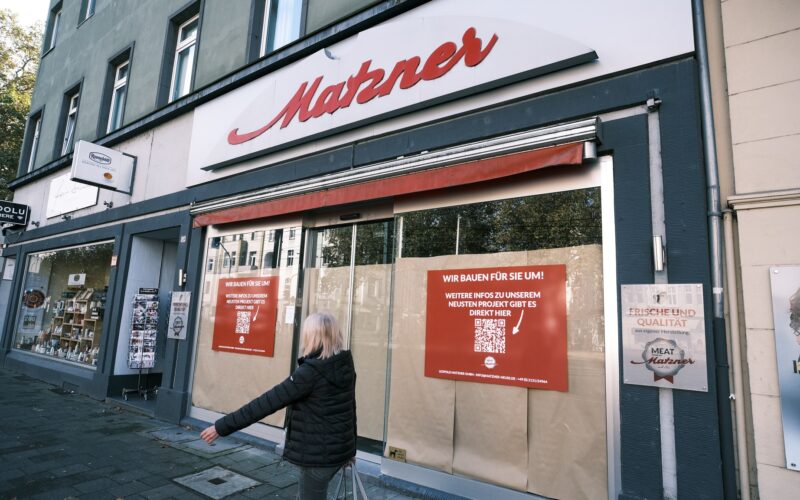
column 664, row 336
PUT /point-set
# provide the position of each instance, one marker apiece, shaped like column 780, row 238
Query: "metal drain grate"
column 217, row 482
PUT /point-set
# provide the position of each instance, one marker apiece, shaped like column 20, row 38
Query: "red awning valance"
column 428, row 180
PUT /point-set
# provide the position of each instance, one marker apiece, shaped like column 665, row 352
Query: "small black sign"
column 14, row 213
column 148, row 291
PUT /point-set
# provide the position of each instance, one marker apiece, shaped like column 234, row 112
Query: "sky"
column 28, row 11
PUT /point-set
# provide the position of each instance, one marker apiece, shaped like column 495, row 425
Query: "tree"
column 19, row 60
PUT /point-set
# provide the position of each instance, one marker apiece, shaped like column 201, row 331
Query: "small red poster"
column 246, row 312
column 499, row 325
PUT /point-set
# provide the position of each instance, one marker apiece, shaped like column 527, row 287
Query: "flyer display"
column 503, row 325
column 664, row 336
column 245, row 316
column 785, row 282
column 144, row 331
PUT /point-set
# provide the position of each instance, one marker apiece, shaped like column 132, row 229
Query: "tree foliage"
column 19, row 60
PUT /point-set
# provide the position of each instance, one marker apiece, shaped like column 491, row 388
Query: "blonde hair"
column 321, row 331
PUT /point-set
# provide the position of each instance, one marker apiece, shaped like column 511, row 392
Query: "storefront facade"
column 466, row 190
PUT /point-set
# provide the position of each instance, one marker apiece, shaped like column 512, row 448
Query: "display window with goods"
column 63, row 303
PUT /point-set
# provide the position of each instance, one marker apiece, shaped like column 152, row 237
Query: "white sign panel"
column 179, row 315
column 102, row 167
column 786, row 312
column 664, row 336
column 67, row 196
column 8, row 268
column 438, row 52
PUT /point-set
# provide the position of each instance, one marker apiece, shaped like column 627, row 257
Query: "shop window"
column 184, row 58
column 53, row 25
column 87, row 10
column 443, row 272
column 31, row 144
column 63, row 303
column 246, row 326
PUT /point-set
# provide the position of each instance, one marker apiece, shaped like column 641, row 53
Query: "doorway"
column 348, row 273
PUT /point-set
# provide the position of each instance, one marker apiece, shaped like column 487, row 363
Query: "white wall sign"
column 102, row 167
column 786, row 312
column 438, row 52
column 66, row 196
column 664, row 336
column 179, row 315
column 8, row 268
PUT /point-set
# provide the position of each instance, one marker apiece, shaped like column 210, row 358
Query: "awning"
column 459, row 174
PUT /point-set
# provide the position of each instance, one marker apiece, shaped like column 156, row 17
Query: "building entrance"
column 348, row 273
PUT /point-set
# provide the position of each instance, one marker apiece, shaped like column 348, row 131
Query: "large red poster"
column 245, row 317
column 499, row 325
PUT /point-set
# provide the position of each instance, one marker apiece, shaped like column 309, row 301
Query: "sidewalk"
column 56, row 445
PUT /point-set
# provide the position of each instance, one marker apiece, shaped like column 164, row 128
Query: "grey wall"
column 323, row 12
column 82, row 55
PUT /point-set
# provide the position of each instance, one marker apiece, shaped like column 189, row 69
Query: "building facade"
column 478, row 191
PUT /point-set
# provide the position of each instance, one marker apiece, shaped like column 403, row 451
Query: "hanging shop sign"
column 502, row 325
column 14, row 214
column 785, row 283
column 102, row 167
column 426, row 57
column 245, row 316
column 664, row 336
column 66, row 196
column 179, row 315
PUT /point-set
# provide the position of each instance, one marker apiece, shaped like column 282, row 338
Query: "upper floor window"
column 118, row 95
column 281, row 25
column 37, row 128
column 183, row 66
column 31, row 143
column 87, row 10
column 51, row 35
column 70, row 121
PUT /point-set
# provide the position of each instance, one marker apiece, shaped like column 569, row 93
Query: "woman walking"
column 321, row 415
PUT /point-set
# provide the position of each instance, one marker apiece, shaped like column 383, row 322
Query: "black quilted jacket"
column 320, row 394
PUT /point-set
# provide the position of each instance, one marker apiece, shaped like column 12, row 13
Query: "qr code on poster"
column 242, row 321
column 490, row 335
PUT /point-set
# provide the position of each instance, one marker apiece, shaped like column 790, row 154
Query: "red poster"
column 246, row 311
column 499, row 325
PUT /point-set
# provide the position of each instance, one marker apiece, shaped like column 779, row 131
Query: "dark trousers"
column 313, row 484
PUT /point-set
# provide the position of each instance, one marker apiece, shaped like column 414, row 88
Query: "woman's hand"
column 209, row 434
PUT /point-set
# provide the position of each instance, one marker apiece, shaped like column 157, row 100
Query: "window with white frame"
column 281, row 24
column 289, row 258
column 185, row 50
column 37, row 128
column 87, row 10
column 52, row 31
column 69, row 124
column 118, row 96
column 210, row 265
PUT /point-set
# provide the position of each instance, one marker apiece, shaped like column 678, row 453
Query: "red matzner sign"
column 501, row 325
column 367, row 84
column 245, row 316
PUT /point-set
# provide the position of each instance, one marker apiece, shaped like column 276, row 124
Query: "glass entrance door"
column 348, row 272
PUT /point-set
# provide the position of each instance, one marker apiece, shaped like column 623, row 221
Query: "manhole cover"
column 217, row 482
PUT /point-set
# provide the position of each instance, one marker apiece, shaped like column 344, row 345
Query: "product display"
column 144, row 324
column 71, row 334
